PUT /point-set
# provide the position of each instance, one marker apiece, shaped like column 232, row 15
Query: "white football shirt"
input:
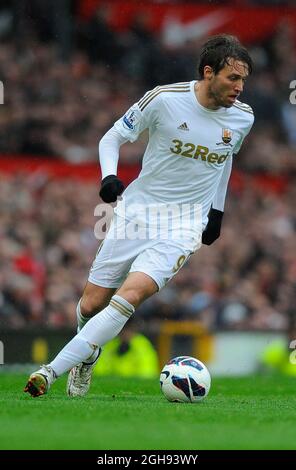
column 189, row 149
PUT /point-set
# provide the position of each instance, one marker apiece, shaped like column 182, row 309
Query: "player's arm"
column 215, row 216
column 111, row 186
column 128, row 128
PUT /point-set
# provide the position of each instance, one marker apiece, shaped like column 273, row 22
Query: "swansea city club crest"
column 226, row 135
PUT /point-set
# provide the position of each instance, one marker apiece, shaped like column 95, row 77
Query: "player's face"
column 226, row 86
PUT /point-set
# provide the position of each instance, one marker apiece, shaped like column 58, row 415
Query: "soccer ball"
column 185, row 379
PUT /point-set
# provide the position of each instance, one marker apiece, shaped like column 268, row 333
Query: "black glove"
column 111, row 188
column 213, row 228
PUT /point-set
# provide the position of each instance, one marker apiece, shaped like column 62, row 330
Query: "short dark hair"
column 218, row 49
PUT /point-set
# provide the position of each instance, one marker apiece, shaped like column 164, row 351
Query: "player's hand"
column 213, row 228
column 111, row 188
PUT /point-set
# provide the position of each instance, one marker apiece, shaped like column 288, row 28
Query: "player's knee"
column 131, row 295
column 91, row 306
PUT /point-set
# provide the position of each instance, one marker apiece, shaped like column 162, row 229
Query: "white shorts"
column 159, row 259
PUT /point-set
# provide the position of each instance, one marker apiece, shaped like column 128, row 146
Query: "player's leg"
column 106, row 324
column 134, row 290
column 94, row 299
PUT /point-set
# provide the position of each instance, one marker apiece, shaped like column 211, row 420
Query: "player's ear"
column 208, row 72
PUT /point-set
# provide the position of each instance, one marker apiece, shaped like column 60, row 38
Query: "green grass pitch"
column 239, row 413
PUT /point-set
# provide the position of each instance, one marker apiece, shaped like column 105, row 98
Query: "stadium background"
column 69, row 70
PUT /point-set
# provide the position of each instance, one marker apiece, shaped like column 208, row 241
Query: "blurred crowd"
column 60, row 108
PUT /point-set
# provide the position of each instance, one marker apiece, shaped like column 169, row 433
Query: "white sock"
column 108, row 323
column 76, row 351
column 100, row 329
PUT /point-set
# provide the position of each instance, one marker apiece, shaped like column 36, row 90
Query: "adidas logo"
column 184, row 127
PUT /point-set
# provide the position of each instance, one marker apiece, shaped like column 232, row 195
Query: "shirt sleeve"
column 109, row 151
column 220, row 196
column 142, row 115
